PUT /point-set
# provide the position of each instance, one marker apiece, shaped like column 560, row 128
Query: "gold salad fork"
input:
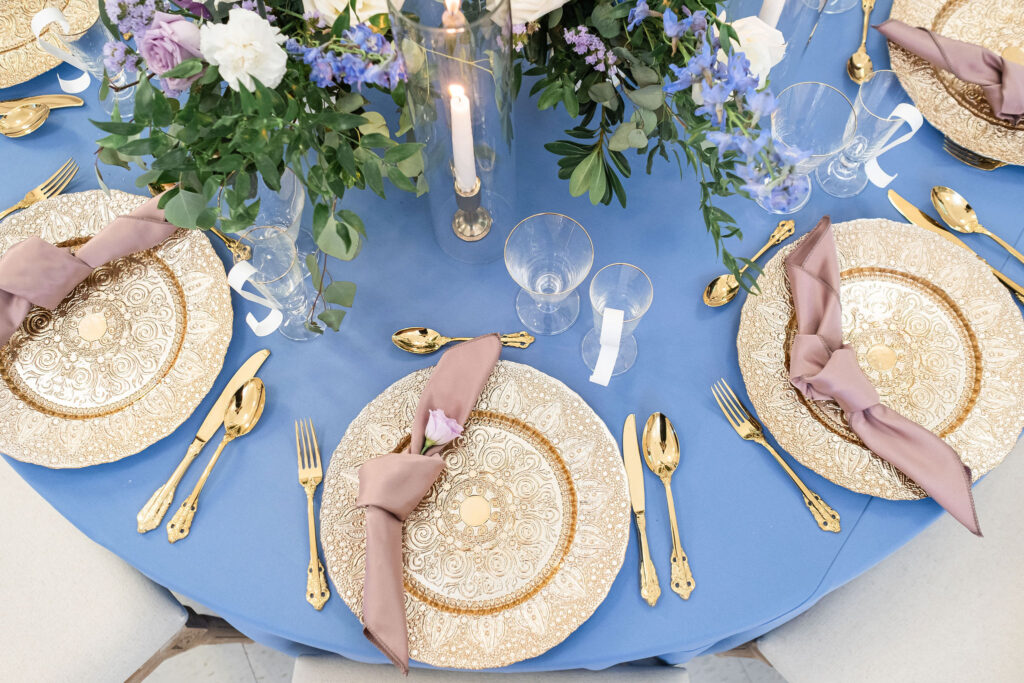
column 310, row 476
column 747, row 426
column 51, row 187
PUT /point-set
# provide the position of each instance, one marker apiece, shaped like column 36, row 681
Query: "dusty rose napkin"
column 391, row 486
column 36, row 273
column 822, row 368
column 1001, row 80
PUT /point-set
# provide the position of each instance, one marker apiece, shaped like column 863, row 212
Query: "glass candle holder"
column 459, row 90
column 549, row 256
column 627, row 288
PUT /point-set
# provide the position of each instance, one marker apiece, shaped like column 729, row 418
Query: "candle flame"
column 456, row 91
column 451, row 6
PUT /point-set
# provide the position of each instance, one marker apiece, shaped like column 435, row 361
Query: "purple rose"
column 195, row 8
column 169, row 41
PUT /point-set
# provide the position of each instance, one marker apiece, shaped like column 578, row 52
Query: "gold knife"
column 156, row 507
column 923, row 220
column 51, row 101
column 649, row 588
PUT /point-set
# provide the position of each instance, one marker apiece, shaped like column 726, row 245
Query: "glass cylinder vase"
column 459, row 90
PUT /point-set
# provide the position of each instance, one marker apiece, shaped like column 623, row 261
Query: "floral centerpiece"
column 228, row 91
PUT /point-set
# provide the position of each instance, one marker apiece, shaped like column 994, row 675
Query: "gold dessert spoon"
column 959, row 216
column 725, row 287
column 240, row 417
column 661, row 453
column 23, row 119
column 423, row 340
column 859, row 65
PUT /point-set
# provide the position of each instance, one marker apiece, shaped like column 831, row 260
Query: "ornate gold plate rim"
column 65, row 436
column 986, row 417
column 957, row 109
column 555, row 598
column 21, row 59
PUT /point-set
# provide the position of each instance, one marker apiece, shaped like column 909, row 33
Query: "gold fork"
column 966, row 156
column 53, row 186
column 310, row 475
column 747, row 426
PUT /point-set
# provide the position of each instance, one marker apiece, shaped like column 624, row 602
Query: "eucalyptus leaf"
column 340, row 293
column 649, row 97
column 332, row 317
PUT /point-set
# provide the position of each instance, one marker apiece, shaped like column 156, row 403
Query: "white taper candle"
column 770, row 12
column 462, row 139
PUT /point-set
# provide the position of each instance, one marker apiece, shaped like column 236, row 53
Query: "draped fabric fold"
column 36, row 273
column 1000, row 79
column 822, row 368
column 392, row 485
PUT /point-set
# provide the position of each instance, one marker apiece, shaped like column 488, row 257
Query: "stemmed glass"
column 877, row 120
column 548, row 255
column 813, row 121
column 628, row 289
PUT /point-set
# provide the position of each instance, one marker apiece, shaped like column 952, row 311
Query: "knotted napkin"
column 36, row 273
column 821, row 367
column 1001, row 80
column 391, row 486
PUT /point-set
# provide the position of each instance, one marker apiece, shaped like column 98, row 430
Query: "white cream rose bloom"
column 525, row 11
column 244, row 48
column 363, row 9
column 763, row 45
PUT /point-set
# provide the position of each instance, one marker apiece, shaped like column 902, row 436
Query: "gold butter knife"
column 156, row 507
column 923, row 220
column 649, row 588
column 51, row 101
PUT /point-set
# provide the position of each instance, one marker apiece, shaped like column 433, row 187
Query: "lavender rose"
column 440, row 430
column 169, row 41
column 195, row 8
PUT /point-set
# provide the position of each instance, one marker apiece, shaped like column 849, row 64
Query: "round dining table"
column 757, row 556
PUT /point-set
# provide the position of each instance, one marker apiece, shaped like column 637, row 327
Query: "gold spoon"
column 423, row 340
column 959, row 216
column 240, row 417
column 859, row 65
column 661, row 453
column 23, row 119
column 724, row 288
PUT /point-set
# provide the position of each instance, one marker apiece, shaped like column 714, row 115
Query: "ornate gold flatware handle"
column 824, row 515
column 650, row 590
column 317, row 592
column 181, row 522
column 520, row 340
column 682, row 577
column 153, row 511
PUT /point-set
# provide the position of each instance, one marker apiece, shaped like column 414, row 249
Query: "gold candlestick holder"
column 471, row 221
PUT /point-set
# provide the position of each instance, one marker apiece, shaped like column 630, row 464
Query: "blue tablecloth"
column 757, row 556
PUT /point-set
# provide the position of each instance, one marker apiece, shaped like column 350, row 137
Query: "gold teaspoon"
column 23, row 119
column 859, row 66
column 423, row 340
column 724, row 288
column 240, row 417
column 661, row 453
column 959, row 216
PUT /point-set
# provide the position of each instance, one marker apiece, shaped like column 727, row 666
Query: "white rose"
column 363, row 9
column 245, row 47
column 763, row 45
column 525, row 11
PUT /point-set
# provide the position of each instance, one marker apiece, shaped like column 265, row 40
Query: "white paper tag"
column 912, row 116
column 611, row 337
column 239, row 274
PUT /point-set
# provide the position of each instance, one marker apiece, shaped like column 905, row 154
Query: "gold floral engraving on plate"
column 21, row 58
column 126, row 357
column 957, row 108
column 938, row 336
column 520, row 538
column 106, row 345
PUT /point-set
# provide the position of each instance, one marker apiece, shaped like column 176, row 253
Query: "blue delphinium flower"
column 738, row 74
column 365, row 58
column 695, row 22
column 638, row 14
column 759, row 103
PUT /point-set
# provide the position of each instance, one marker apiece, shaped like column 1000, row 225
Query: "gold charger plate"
column 956, row 108
column 520, row 538
column 21, row 58
column 939, row 337
column 126, row 357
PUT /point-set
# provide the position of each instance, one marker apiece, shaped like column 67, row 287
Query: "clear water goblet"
column 548, row 255
column 877, row 119
column 624, row 287
column 813, row 121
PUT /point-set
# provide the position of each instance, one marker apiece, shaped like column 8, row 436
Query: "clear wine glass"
column 625, row 287
column 548, row 255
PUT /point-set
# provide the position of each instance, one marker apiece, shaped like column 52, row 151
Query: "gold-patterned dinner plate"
column 126, row 357
column 939, row 337
column 956, row 108
column 520, row 538
column 21, row 58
